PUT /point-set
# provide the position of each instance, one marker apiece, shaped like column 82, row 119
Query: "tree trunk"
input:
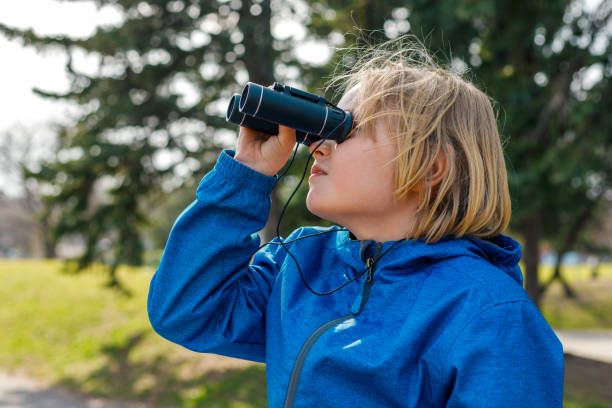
column 569, row 242
column 49, row 244
column 531, row 228
column 258, row 40
column 595, row 269
column 569, row 292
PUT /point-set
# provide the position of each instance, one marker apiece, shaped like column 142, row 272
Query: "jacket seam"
column 445, row 360
column 481, row 284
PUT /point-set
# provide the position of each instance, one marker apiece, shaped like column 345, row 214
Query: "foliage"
column 533, row 61
column 537, row 62
column 150, row 116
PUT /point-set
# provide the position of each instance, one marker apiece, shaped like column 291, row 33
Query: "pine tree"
column 140, row 136
column 531, row 60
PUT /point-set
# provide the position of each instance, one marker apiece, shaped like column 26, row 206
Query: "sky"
column 27, row 69
column 24, row 68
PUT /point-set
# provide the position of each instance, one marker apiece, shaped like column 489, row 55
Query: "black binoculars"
column 312, row 116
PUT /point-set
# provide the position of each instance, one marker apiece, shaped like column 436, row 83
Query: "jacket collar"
column 407, row 256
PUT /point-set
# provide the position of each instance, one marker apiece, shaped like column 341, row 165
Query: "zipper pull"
column 370, row 271
column 364, row 294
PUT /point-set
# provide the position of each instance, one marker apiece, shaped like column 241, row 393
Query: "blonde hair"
column 428, row 109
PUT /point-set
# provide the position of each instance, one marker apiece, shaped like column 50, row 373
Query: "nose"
column 323, row 149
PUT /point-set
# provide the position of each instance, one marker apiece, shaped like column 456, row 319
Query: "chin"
column 312, row 207
column 319, row 210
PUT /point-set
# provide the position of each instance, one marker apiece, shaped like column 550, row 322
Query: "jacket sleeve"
column 206, row 295
column 507, row 356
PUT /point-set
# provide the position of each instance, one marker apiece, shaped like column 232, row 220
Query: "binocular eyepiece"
column 312, row 116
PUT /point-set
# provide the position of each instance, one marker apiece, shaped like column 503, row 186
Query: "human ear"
column 438, row 170
column 437, row 173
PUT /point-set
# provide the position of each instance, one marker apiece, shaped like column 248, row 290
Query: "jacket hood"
column 404, row 256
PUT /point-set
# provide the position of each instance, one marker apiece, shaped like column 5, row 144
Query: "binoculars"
column 312, row 116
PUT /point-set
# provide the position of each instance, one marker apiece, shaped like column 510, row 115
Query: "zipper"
column 365, row 288
column 299, row 361
column 310, row 341
column 367, row 283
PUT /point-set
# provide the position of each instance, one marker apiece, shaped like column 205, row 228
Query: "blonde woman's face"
column 357, row 185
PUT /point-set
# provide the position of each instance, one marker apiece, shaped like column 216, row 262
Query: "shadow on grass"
column 157, row 381
column 574, row 399
column 600, row 315
column 590, row 309
column 160, row 382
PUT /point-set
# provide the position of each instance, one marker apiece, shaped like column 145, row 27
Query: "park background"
column 112, row 111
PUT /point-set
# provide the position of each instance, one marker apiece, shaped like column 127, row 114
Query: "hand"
column 262, row 152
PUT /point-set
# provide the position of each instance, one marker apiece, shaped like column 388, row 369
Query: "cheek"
column 357, row 170
column 358, row 178
column 370, row 178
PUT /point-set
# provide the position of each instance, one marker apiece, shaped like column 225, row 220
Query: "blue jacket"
column 440, row 325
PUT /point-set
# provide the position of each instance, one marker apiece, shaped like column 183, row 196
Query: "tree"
column 19, row 152
column 330, row 24
column 587, row 168
column 533, row 61
column 152, row 116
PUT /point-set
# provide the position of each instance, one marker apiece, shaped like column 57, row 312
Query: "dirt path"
column 21, row 392
column 594, row 345
column 589, row 377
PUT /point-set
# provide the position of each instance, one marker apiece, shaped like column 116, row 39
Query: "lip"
column 317, row 171
column 314, row 175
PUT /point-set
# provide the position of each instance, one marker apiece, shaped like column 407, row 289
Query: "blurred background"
column 112, row 111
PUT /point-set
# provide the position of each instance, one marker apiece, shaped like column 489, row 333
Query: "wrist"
column 252, row 165
column 232, row 174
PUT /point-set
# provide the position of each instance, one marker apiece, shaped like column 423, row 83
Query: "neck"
column 388, row 226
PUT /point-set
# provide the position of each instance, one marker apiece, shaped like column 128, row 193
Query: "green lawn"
column 577, row 272
column 71, row 330
column 573, row 399
column 591, row 309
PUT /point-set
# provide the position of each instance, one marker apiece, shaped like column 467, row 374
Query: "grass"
column 70, row 330
column 576, row 273
column 576, row 399
column 591, row 309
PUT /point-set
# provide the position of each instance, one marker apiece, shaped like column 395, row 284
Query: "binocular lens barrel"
column 235, row 116
column 263, row 109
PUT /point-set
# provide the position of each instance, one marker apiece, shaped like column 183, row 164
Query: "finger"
column 251, row 134
column 248, row 131
column 286, row 136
